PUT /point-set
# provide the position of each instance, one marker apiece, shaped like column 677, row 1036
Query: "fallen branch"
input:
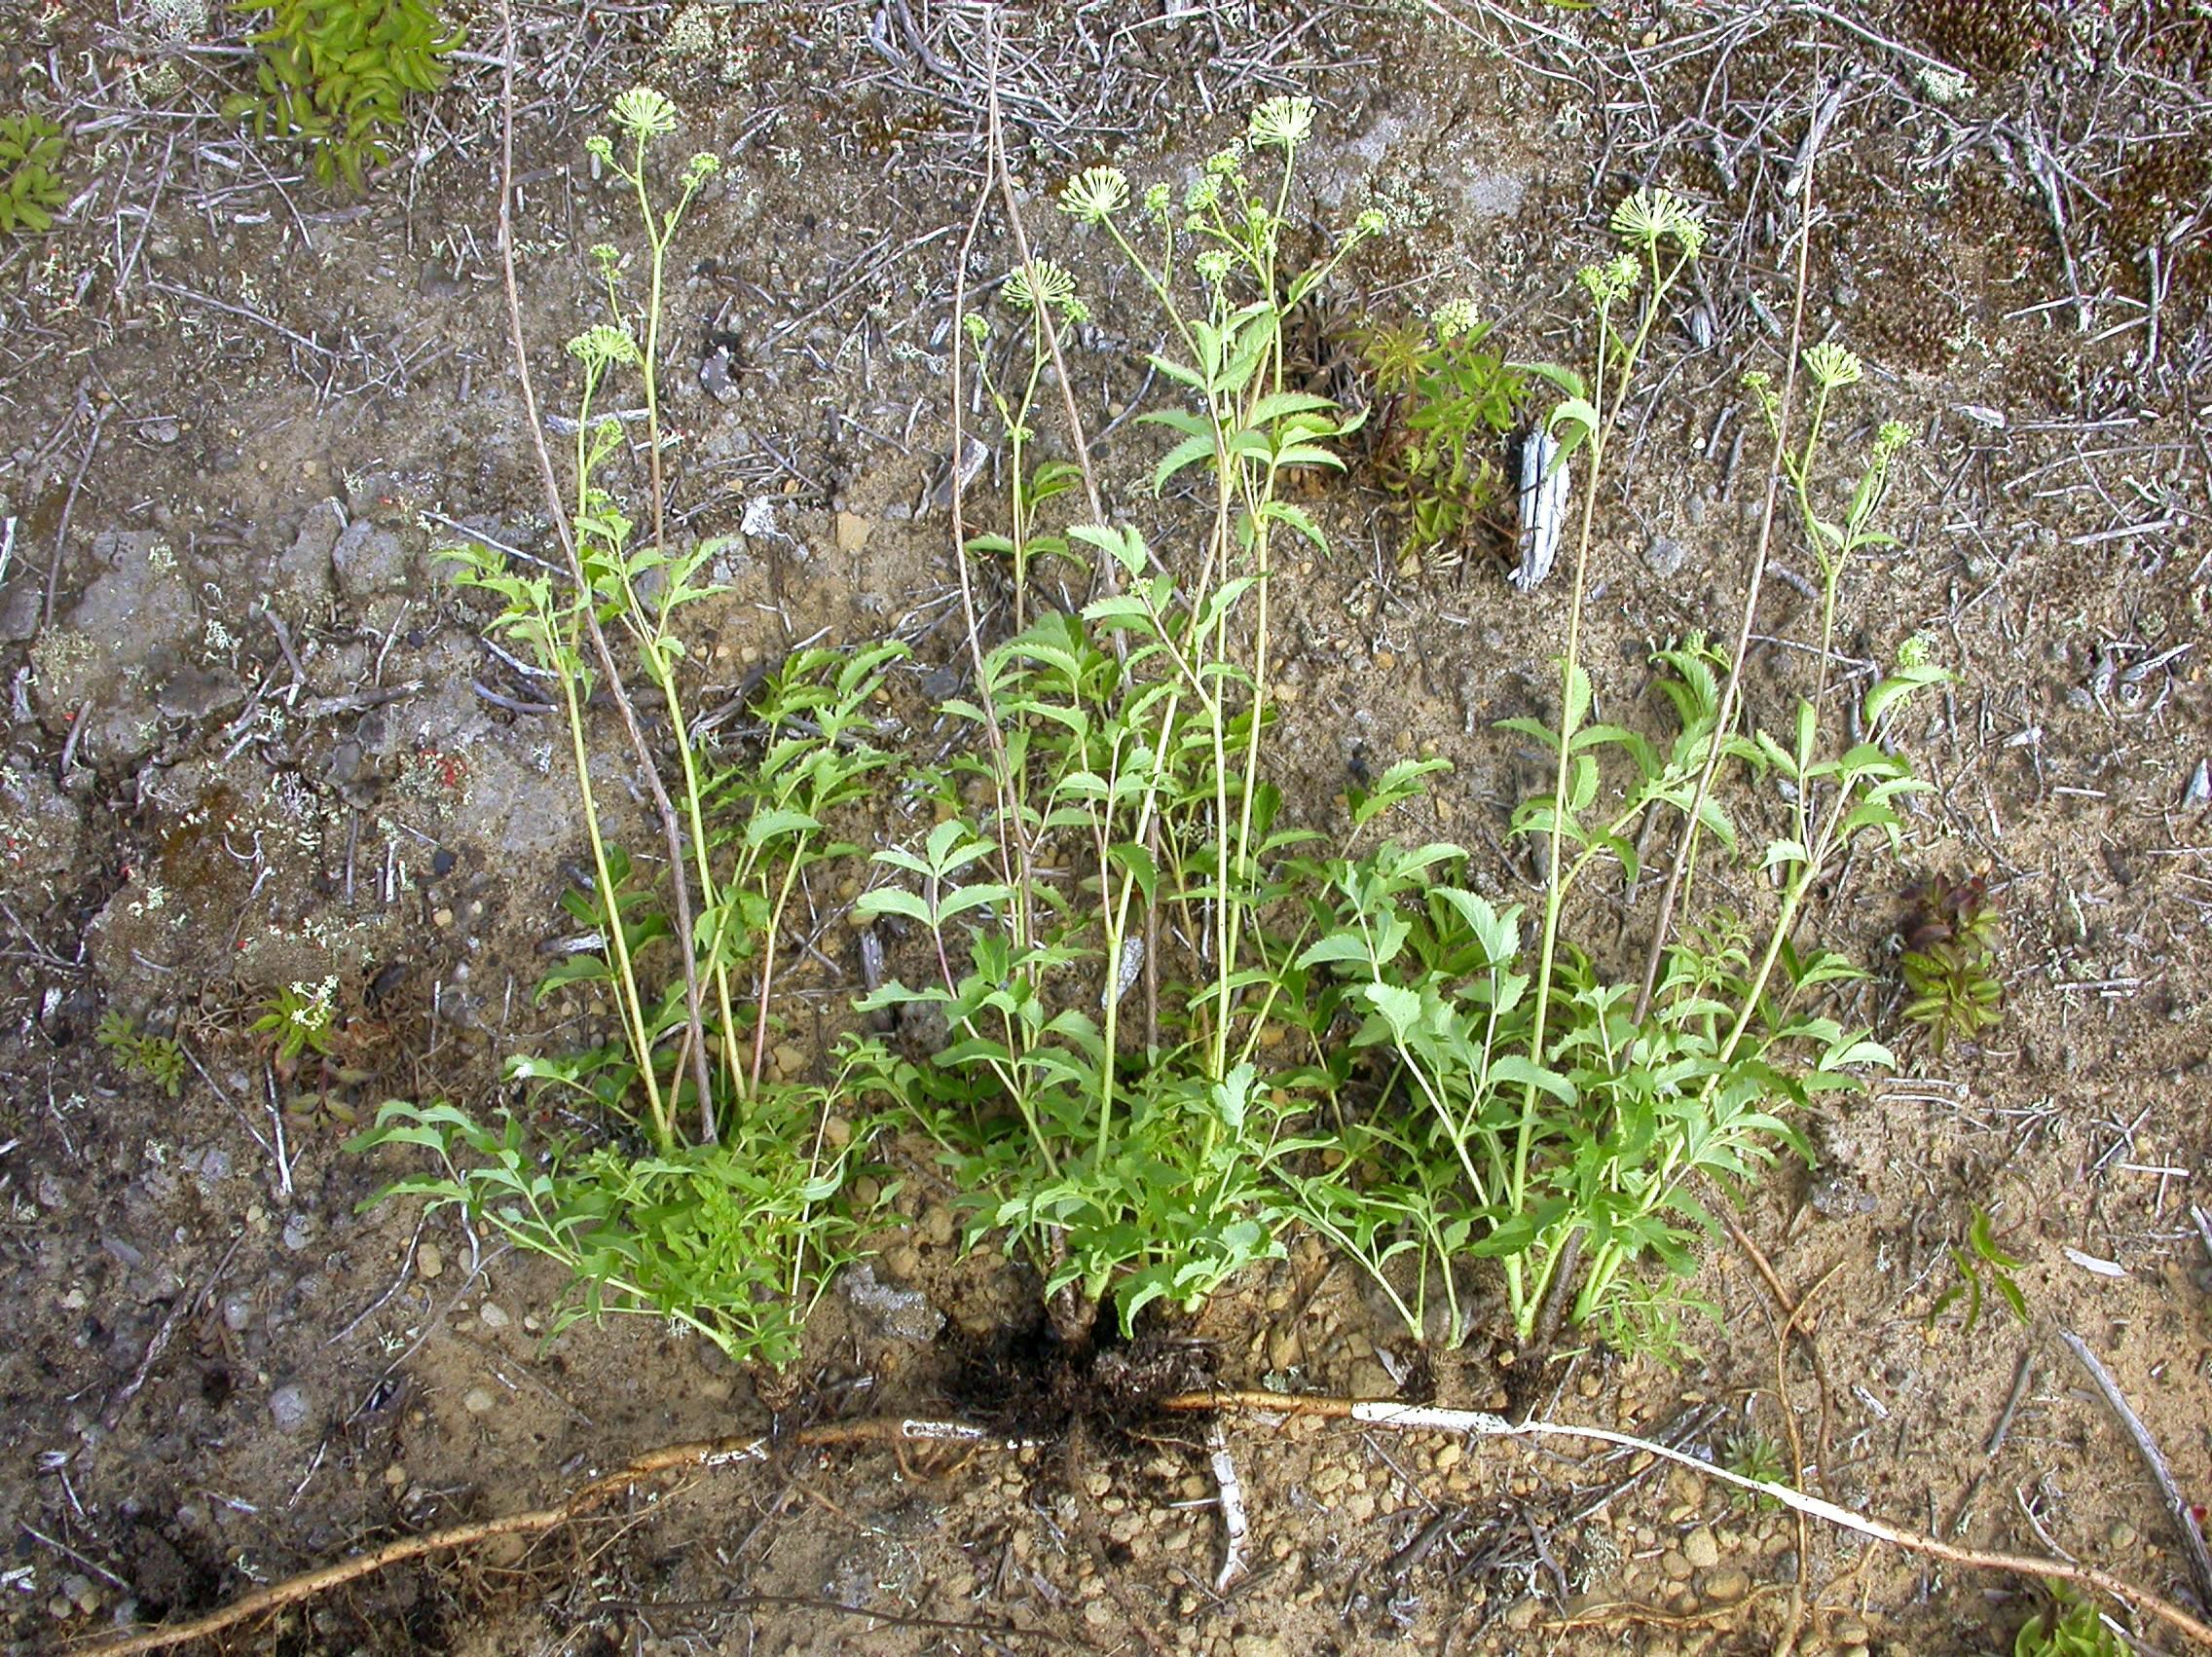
column 1481, row 1424
column 675, row 1458
column 2178, row 1507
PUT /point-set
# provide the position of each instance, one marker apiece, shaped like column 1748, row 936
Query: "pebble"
column 493, row 1317
column 238, row 1313
column 1701, row 1548
column 477, row 1401
column 2121, row 1536
column 429, row 1262
column 1446, row 1457
column 1727, row 1586
column 1329, row 1479
column 1676, row 1567
column 1849, row 1632
column 288, row 1408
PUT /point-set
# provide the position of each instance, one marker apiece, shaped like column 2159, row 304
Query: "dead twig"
column 1732, row 694
column 1481, row 1424
column 670, row 829
column 2178, row 1507
column 1234, row 1528
column 675, row 1458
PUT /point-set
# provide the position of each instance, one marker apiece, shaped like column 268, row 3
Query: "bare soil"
column 255, row 738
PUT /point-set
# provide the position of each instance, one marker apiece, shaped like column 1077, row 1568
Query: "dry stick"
column 1481, row 1424
column 2177, row 1505
column 662, row 804
column 702, row 1453
column 1732, row 693
column 1792, row 1315
column 61, row 534
column 1016, row 878
column 1109, row 570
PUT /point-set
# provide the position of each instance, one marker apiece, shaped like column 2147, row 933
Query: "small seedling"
column 1752, row 1455
column 31, row 191
column 2071, row 1628
column 336, row 74
column 1443, row 399
column 1949, row 962
column 297, row 1020
column 157, row 1059
column 1981, row 1258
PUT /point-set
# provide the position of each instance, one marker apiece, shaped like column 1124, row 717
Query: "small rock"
column 493, row 1317
column 299, row 1231
column 238, row 1313
column 478, row 1401
column 288, row 1407
column 1676, row 1567
column 1448, row 1456
column 429, row 1262
column 1259, row 1645
column 1328, row 1479
column 898, row 1314
column 2122, row 1537
column 1727, row 1586
column 369, row 559
column 901, row 1263
column 1369, row 1377
column 936, row 1225
column 1701, row 1548
column 1666, row 556
column 853, row 532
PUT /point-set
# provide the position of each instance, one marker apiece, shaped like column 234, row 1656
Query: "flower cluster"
column 1652, row 215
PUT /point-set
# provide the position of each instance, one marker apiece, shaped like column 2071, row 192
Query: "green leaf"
column 1188, row 452
column 1399, row 1006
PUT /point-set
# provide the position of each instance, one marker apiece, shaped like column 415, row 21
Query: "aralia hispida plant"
column 1532, row 1110
column 1095, row 901
column 713, row 1201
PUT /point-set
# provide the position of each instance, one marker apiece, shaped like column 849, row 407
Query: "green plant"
column 1525, row 1106
column 298, row 1020
column 1111, row 826
column 1981, row 1259
column 157, row 1059
column 736, row 1240
column 1949, row 962
column 2072, row 1627
column 31, row 190
column 1443, row 399
column 335, row 76
column 705, row 1189
column 1753, row 1455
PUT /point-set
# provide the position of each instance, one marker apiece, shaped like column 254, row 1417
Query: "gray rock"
column 1666, row 556
column 40, row 826
column 371, row 560
column 302, row 577
column 897, row 1315
column 196, row 693
column 123, row 641
column 288, row 1408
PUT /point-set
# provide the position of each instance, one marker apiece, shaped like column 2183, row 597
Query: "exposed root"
column 1481, row 1424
